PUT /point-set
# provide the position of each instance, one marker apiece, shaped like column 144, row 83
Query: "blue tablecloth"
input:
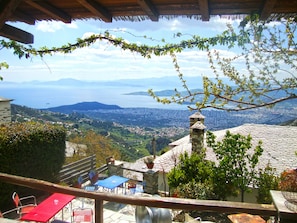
column 111, row 182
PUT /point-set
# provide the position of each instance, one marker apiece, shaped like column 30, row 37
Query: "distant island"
column 83, row 106
column 163, row 93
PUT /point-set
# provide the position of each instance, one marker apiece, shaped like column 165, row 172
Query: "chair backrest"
column 16, row 199
column 80, row 180
column 22, row 202
column 93, row 176
column 82, row 215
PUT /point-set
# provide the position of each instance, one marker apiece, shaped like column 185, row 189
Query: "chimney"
column 197, row 129
column 197, row 136
column 195, row 118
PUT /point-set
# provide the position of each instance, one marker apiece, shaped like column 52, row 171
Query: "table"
column 48, row 208
column 7, row 220
column 246, row 218
column 284, row 213
column 111, row 182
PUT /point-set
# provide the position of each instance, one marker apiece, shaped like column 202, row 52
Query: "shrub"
column 266, row 181
column 196, row 190
column 192, row 170
column 31, row 150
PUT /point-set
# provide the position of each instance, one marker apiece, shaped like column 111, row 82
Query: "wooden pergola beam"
column 267, row 9
column 24, row 17
column 204, row 10
column 6, row 9
column 50, row 10
column 16, row 34
column 149, row 9
column 96, row 9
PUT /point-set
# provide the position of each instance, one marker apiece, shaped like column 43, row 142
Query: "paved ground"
column 112, row 212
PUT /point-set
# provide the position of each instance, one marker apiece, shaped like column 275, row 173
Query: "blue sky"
column 102, row 61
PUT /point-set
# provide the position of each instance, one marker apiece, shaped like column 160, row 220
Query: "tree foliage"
column 237, row 163
column 267, row 180
column 95, row 144
column 234, row 173
column 191, row 173
column 262, row 74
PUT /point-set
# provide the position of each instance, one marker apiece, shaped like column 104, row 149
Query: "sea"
column 52, row 96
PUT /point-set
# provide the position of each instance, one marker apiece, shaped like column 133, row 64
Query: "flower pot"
column 150, row 165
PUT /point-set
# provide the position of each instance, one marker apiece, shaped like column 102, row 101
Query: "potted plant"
column 288, row 180
column 76, row 181
column 288, row 185
column 131, row 184
column 149, row 161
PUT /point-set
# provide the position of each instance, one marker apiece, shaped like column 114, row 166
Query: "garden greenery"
column 30, row 149
column 233, row 174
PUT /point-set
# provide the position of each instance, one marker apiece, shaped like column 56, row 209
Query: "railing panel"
column 76, row 169
column 161, row 202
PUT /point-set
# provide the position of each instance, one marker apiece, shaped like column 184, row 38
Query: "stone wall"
column 5, row 111
column 150, row 182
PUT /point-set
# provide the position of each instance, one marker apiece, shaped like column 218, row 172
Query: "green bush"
column 192, row 170
column 266, row 181
column 32, row 150
column 196, row 190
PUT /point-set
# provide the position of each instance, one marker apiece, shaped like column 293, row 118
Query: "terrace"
column 117, row 203
column 100, row 199
column 120, row 206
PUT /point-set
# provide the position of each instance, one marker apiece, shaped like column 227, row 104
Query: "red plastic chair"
column 82, row 215
column 24, row 204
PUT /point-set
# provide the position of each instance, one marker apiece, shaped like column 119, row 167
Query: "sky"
column 103, row 62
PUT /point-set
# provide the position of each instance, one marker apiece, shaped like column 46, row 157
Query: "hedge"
column 30, row 149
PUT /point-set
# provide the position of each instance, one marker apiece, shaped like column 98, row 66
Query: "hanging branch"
column 266, row 52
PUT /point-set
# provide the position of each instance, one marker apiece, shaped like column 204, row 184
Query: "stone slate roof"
column 279, row 144
column 5, row 99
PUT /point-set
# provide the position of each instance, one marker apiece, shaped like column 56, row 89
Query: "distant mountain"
column 158, row 83
column 83, row 106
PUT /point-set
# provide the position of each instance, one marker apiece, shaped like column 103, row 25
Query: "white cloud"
column 103, row 61
column 53, row 26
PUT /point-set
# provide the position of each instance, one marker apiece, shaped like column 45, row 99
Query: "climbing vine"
column 268, row 53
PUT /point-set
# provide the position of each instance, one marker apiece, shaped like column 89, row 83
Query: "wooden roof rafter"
column 97, row 9
column 30, row 11
column 16, row 34
column 204, row 10
column 149, row 9
column 50, row 10
column 267, row 9
column 8, row 8
column 23, row 17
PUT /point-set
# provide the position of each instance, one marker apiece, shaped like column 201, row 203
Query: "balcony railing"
column 160, row 202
